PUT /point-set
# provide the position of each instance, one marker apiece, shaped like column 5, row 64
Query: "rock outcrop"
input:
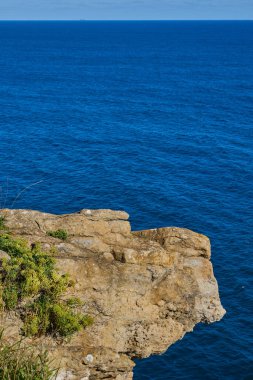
column 145, row 289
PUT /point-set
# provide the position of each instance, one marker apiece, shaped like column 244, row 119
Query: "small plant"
column 59, row 234
column 2, row 226
column 19, row 362
column 10, row 297
column 66, row 321
column 29, row 278
column 74, row 302
column 57, row 318
column 1, row 222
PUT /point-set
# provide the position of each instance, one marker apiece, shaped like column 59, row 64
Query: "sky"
column 125, row 9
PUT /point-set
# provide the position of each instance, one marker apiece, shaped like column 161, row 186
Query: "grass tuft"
column 2, row 224
column 59, row 234
column 19, row 362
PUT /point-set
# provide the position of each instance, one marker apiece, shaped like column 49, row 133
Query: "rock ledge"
column 145, row 289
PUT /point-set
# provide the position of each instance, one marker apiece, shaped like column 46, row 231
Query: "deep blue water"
column 154, row 118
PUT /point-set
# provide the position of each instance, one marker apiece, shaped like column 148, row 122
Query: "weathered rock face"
column 145, row 289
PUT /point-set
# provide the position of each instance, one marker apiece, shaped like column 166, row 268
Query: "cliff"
column 144, row 289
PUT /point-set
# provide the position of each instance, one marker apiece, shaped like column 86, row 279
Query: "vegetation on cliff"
column 2, row 223
column 147, row 289
column 30, row 285
column 20, row 362
column 59, row 234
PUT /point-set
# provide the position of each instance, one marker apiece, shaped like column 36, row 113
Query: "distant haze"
column 125, row 9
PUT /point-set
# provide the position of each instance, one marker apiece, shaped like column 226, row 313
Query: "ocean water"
column 151, row 117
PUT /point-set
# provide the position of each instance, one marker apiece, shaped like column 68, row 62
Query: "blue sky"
column 125, row 9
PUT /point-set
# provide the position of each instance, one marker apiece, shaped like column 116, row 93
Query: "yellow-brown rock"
column 145, row 289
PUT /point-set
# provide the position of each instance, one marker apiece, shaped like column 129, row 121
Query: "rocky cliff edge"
column 145, row 289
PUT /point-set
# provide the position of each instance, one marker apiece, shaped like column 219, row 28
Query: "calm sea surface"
column 154, row 118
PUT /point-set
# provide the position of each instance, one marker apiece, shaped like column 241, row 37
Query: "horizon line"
column 127, row 20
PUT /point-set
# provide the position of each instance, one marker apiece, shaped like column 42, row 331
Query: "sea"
column 151, row 117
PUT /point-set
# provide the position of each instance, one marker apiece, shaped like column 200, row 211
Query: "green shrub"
column 57, row 318
column 29, row 277
column 59, row 234
column 19, row 362
column 64, row 321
